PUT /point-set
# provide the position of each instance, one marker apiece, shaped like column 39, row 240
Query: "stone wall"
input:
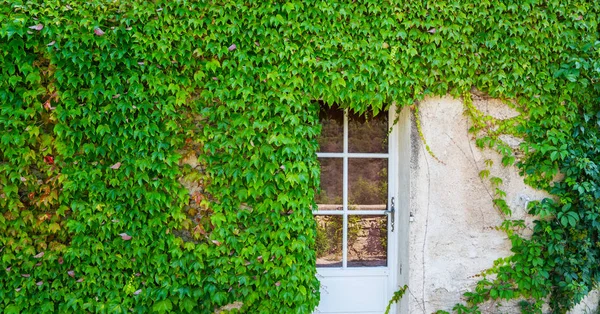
column 452, row 235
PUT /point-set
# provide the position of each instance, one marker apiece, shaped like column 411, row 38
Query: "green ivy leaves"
column 92, row 85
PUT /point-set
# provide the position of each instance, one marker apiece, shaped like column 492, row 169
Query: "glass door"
column 355, row 214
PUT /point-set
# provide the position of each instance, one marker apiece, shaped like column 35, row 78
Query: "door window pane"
column 367, row 183
column 368, row 134
column 332, row 172
column 329, row 240
column 332, row 129
column 367, row 241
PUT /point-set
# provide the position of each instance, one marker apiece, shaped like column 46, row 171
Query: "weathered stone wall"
column 452, row 236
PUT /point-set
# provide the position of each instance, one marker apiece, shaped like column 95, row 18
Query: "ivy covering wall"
column 101, row 100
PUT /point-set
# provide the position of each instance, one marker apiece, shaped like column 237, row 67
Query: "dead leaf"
column 80, row 280
column 52, row 43
column 226, row 308
column 48, row 106
column 116, row 166
column 232, row 47
column 37, row 27
column 98, row 31
column 39, row 255
column 71, row 273
column 432, row 31
column 25, row 275
column 278, row 284
column 23, row 179
column 18, row 289
column 61, row 260
column 199, row 230
column 8, row 269
column 39, row 283
column 125, row 236
column 215, row 242
column 137, row 292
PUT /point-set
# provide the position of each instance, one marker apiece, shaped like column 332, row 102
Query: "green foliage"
column 100, row 100
column 398, row 294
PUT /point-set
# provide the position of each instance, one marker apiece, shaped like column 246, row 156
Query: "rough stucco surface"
column 452, row 233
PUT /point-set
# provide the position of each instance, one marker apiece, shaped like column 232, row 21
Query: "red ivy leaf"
column 98, row 31
column 61, row 260
column 49, row 160
column 37, row 27
column 48, row 106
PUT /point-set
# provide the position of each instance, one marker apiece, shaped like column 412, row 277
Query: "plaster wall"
column 451, row 233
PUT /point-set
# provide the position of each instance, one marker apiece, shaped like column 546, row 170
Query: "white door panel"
column 345, row 294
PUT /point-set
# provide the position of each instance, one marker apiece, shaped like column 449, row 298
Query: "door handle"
column 392, row 212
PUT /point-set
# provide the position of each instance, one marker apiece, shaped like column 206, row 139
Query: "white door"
column 356, row 246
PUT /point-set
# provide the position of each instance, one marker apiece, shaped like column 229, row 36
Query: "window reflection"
column 367, row 183
column 329, row 240
column 332, row 129
column 368, row 134
column 330, row 196
column 367, row 241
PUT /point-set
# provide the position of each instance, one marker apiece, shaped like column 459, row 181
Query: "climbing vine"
column 103, row 101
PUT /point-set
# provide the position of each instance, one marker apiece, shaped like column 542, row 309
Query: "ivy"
column 103, row 101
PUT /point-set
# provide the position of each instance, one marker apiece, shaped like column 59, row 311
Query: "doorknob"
column 392, row 211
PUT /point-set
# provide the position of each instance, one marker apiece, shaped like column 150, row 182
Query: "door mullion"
column 345, row 194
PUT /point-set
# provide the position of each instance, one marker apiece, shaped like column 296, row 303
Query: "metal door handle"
column 392, row 212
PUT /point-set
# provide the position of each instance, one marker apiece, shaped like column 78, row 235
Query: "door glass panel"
column 332, row 173
column 367, row 183
column 329, row 240
column 367, row 241
column 332, row 129
column 368, row 134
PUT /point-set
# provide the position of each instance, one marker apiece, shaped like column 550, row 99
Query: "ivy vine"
column 101, row 100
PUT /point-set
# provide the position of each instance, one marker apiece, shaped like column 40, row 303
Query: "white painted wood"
column 353, row 155
column 351, row 212
column 353, row 294
column 363, row 290
column 345, row 194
